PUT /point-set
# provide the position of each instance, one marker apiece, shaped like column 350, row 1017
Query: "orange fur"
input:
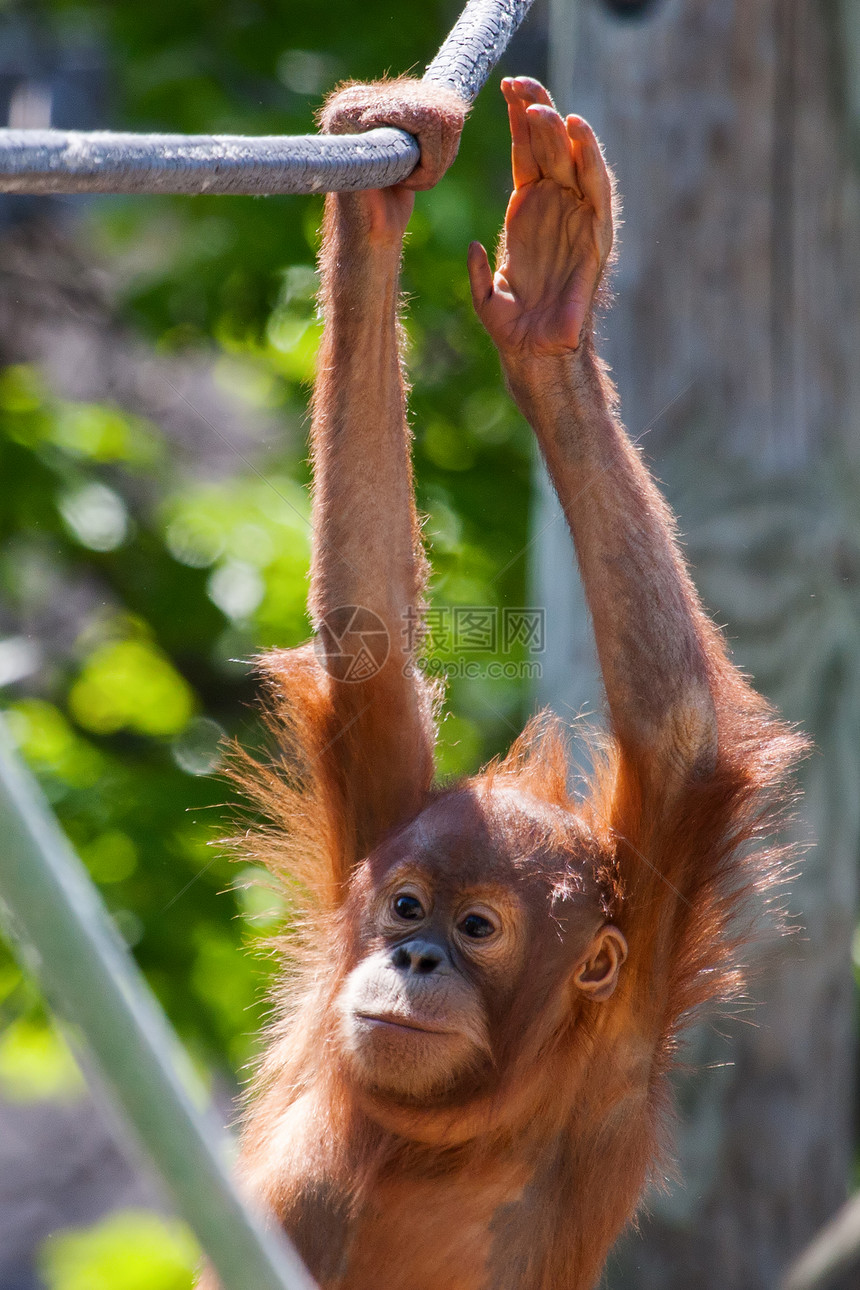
column 522, row 1166
column 582, row 1120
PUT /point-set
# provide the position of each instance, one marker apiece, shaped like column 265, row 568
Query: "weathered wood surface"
column 735, row 340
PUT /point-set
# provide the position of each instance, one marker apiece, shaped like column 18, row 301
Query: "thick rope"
column 61, row 161
column 475, row 44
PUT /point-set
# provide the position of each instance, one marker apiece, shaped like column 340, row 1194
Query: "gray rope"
column 59, row 161
column 68, row 161
column 475, row 44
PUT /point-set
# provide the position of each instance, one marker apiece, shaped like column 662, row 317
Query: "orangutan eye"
column 408, row 908
column 476, row 926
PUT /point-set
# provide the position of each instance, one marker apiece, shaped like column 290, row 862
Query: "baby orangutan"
column 466, row 1087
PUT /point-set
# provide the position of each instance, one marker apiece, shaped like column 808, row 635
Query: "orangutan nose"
column 418, row 958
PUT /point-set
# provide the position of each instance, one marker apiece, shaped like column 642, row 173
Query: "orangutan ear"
column 597, row 974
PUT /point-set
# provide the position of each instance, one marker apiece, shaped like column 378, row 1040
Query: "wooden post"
column 735, row 340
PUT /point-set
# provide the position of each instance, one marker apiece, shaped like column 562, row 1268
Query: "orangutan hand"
column 558, row 231
column 432, row 114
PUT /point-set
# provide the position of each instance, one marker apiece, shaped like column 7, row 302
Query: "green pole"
column 64, row 937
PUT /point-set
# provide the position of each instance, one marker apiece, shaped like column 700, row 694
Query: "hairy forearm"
column 649, row 626
column 364, row 524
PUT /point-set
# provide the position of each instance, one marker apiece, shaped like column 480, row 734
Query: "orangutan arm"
column 368, row 567
column 655, row 645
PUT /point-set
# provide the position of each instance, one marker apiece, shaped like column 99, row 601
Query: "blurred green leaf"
column 130, row 1250
column 35, row 1063
column 50, row 744
column 111, row 857
column 131, row 684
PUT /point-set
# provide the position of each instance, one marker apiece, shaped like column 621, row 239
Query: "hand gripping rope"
column 68, row 161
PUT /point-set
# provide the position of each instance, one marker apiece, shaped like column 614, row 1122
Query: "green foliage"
column 130, row 685
column 129, row 1250
column 35, row 1063
column 171, row 574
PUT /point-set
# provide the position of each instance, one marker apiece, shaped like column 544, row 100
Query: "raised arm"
column 704, row 764
column 367, row 571
column 655, row 645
